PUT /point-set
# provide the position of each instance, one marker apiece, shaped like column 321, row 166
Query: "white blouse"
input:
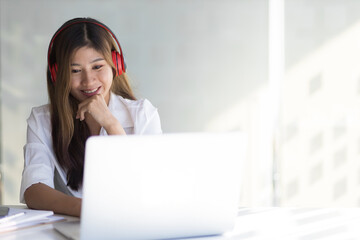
column 40, row 163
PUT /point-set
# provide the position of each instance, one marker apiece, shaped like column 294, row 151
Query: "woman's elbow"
column 31, row 194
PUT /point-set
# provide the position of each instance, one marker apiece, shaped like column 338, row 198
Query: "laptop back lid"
column 161, row 186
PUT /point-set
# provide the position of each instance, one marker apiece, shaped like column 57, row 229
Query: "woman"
column 89, row 95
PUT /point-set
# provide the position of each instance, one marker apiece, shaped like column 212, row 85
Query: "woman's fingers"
column 95, row 106
column 80, row 115
column 82, row 109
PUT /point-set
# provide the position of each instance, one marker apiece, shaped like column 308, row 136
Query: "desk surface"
column 257, row 223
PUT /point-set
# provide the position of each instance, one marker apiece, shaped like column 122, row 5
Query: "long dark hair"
column 69, row 134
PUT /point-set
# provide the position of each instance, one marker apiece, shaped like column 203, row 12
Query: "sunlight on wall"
column 320, row 129
column 321, row 125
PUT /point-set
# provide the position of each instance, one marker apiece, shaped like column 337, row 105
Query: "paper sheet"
column 29, row 219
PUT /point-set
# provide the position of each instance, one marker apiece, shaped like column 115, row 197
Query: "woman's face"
column 90, row 74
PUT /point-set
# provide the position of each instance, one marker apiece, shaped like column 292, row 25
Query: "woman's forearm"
column 42, row 197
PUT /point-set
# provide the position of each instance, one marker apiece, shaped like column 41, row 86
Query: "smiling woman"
column 89, row 94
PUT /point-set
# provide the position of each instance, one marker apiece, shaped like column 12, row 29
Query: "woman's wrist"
column 113, row 127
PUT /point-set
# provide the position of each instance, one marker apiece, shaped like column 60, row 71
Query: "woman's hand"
column 97, row 108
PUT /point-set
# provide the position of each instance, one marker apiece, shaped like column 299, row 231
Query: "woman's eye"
column 97, row 67
column 75, row 70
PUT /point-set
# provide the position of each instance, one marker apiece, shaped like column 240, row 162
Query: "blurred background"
column 285, row 72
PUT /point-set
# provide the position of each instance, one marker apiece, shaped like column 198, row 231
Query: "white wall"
column 203, row 63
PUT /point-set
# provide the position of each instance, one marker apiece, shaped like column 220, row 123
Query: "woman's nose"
column 87, row 77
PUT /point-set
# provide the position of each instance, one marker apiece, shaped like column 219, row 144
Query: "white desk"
column 258, row 223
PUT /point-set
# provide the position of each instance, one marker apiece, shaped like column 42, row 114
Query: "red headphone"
column 118, row 58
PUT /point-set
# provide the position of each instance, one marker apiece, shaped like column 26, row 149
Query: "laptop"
column 161, row 186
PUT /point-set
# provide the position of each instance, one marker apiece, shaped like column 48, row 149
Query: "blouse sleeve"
column 38, row 156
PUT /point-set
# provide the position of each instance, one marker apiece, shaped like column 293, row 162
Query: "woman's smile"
column 91, row 92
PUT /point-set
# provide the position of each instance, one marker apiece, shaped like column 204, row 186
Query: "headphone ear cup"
column 53, row 71
column 117, row 60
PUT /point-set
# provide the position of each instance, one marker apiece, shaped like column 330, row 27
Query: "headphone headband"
column 115, row 55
